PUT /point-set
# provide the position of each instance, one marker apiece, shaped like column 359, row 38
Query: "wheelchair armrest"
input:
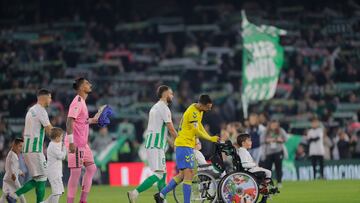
column 204, row 165
column 259, row 174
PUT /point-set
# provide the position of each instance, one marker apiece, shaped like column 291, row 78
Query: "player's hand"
column 100, row 110
column 216, row 138
column 72, row 148
column 13, row 177
column 279, row 139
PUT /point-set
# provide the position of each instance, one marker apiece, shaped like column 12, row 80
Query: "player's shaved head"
column 165, row 93
column 161, row 89
column 204, row 103
column 205, row 99
column 44, row 97
column 82, row 85
column 78, row 82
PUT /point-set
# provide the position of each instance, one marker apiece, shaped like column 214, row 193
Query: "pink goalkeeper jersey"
column 78, row 110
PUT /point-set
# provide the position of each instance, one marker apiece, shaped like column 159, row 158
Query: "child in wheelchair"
column 242, row 162
column 248, row 163
column 244, row 142
column 202, row 164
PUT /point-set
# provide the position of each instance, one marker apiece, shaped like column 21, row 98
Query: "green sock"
column 26, row 187
column 161, row 183
column 40, row 191
column 147, row 183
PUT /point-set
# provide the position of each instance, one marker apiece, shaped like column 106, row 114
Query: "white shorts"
column 10, row 186
column 57, row 186
column 156, row 159
column 36, row 164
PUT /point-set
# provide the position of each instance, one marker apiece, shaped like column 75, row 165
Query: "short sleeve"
column 74, row 109
column 44, row 118
column 166, row 114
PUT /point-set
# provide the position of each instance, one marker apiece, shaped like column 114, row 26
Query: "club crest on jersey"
column 194, row 115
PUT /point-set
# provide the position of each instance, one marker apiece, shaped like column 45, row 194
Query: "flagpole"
column 244, row 101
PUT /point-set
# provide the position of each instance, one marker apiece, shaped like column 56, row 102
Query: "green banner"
column 302, row 170
column 263, row 58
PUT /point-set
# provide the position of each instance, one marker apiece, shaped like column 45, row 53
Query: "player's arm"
column 48, row 129
column 166, row 117
column 74, row 111
column 95, row 119
column 201, row 132
column 44, row 120
column 172, row 131
column 69, row 132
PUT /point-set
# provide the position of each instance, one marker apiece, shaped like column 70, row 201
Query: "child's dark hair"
column 55, row 133
column 78, row 82
column 18, row 140
column 241, row 138
column 42, row 92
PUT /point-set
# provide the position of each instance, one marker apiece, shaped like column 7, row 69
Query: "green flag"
column 263, row 58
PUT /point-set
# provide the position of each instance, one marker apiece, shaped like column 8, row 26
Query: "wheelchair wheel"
column 238, row 187
column 203, row 189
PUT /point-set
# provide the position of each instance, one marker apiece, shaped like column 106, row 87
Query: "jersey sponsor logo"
column 187, row 158
column 33, row 114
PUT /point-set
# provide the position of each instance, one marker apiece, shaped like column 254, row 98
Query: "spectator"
column 343, row 145
column 328, row 145
column 126, row 129
column 275, row 137
column 257, row 133
column 315, row 137
column 300, row 153
column 102, row 140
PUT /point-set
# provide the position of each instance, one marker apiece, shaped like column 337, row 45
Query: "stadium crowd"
column 194, row 49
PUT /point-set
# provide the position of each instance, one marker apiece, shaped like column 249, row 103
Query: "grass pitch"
column 320, row 191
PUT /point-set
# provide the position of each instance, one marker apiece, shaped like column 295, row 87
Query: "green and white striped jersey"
column 157, row 132
column 34, row 133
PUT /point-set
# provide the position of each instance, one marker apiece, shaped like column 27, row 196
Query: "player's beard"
column 169, row 101
column 89, row 91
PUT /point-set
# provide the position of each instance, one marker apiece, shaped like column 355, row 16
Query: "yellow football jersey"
column 187, row 131
column 191, row 127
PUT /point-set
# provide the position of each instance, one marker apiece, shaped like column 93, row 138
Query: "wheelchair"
column 240, row 185
column 203, row 188
column 237, row 186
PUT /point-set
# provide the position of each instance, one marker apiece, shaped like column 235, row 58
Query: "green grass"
column 292, row 192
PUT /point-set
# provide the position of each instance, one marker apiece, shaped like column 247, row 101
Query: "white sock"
column 22, row 199
column 135, row 192
column 2, row 199
column 52, row 199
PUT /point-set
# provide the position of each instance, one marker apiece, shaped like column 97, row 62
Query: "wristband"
column 71, row 138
